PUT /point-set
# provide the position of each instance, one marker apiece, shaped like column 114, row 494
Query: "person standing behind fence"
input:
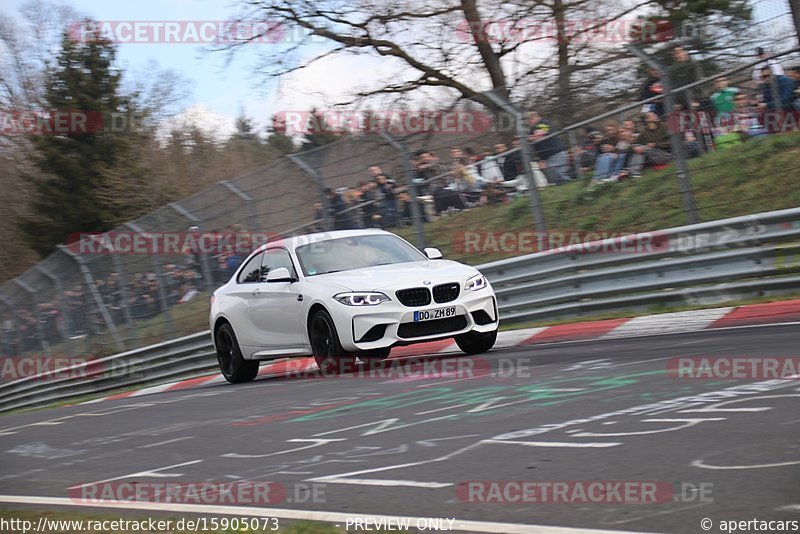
column 385, row 190
column 336, row 206
column 683, row 72
column 723, row 98
column 724, row 102
column 552, row 152
column 652, row 87
column 784, row 86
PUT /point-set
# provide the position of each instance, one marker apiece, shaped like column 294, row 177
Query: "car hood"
column 397, row 276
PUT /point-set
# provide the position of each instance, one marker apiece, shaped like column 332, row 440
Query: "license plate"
column 439, row 313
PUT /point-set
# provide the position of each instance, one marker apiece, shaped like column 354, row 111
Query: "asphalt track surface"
column 406, row 446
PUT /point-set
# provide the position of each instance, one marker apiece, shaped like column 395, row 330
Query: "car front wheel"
column 232, row 364
column 328, row 352
column 476, row 342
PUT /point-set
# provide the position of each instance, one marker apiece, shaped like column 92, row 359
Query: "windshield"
column 348, row 253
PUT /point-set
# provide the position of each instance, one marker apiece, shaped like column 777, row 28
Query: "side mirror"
column 281, row 274
column 433, row 253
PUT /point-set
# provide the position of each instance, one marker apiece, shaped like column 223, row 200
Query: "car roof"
column 296, row 241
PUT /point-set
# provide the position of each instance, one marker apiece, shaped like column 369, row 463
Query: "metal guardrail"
column 707, row 263
column 181, row 357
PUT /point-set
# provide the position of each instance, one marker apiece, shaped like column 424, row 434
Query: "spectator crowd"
column 702, row 120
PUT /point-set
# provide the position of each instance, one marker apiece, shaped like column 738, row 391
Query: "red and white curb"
column 648, row 325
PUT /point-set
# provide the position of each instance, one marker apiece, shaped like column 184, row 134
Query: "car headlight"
column 475, row 283
column 361, row 298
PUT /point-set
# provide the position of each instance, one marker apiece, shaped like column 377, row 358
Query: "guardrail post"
column 202, row 257
column 98, row 299
column 162, row 294
column 416, row 211
column 327, row 224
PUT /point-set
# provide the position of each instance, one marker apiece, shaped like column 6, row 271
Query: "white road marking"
column 687, row 423
column 340, row 478
column 702, row 465
column 387, row 482
column 568, row 444
column 716, row 407
column 164, row 442
column 155, row 473
column 314, row 443
column 442, row 409
column 429, row 442
column 309, row 515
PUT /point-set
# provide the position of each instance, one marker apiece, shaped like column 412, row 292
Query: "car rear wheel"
column 328, row 352
column 232, row 364
column 476, row 342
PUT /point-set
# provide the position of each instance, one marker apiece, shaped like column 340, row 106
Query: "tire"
column 372, row 356
column 476, row 342
column 328, row 352
column 232, row 364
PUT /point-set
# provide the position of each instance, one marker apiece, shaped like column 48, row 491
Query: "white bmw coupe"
column 344, row 295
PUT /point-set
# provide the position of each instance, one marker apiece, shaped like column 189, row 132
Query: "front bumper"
column 391, row 323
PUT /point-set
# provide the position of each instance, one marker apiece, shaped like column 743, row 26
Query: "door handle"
column 256, row 292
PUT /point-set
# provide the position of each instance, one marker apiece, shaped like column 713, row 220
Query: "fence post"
column 320, row 181
column 537, row 212
column 162, row 294
column 576, row 162
column 37, row 313
column 17, row 339
column 416, row 211
column 675, row 137
column 60, row 291
column 248, row 200
column 98, row 299
column 201, row 256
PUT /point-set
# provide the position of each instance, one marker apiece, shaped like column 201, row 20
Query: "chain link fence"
column 698, row 152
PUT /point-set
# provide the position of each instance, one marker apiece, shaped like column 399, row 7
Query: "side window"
column 276, row 258
column 252, row 270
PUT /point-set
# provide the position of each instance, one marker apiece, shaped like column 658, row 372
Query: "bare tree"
column 462, row 48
